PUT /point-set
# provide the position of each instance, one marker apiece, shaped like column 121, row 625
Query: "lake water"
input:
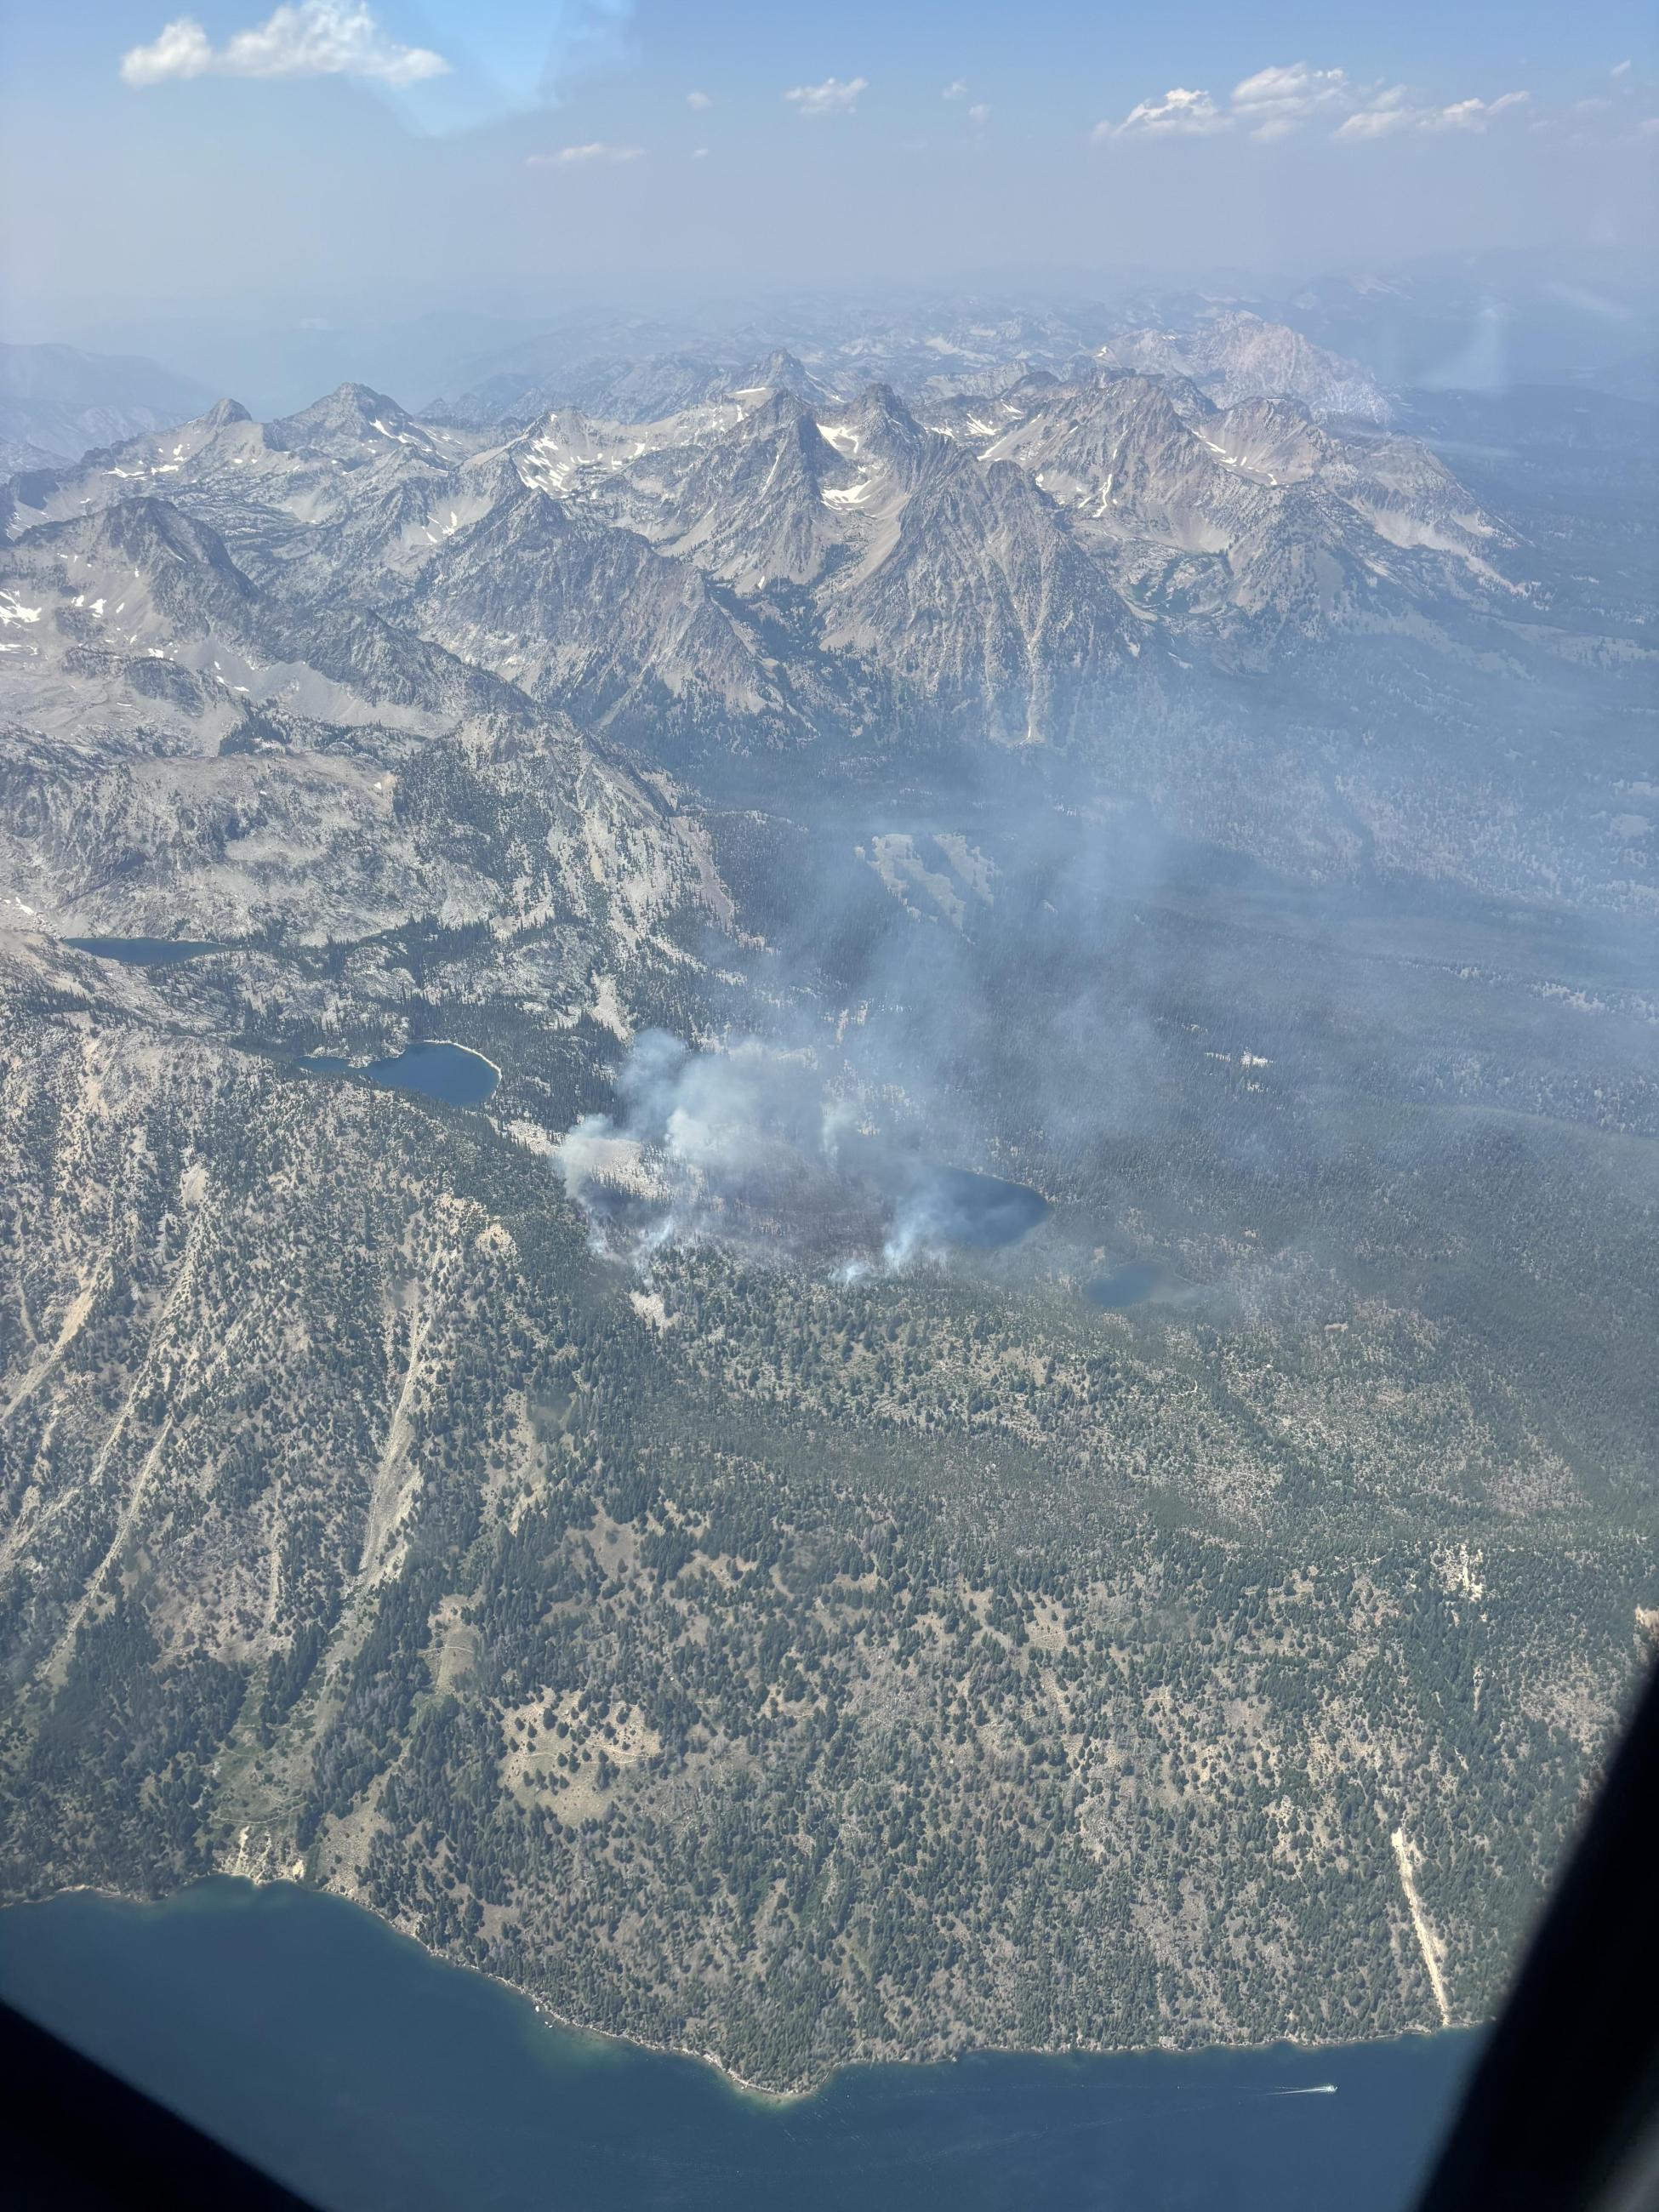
column 979, row 1213
column 368, row 2075
column 447, row 1072
column 141, row 952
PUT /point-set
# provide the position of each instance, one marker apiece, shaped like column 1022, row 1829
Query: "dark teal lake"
column 447, row 1072
column 141, row 952
column 979, row 1213
column 310, row 2037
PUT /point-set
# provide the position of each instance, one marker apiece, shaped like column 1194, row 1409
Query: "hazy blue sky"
column 397, row 155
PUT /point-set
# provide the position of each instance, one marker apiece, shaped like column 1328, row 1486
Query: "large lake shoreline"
column 372, row 2076
column 762, row 2092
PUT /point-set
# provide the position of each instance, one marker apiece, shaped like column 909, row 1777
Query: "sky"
column 333, row 157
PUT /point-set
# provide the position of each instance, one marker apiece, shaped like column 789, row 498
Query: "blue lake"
column 368, row 2075
column 447, row 1072
column 141, row 952
column 979, row 1212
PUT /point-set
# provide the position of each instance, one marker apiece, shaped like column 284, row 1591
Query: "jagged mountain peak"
column 492, row 476
column 786, row 430
column 877, row 402
column 765, row 501
column 558, row 600
column 1277, row 438
column 346, row 422
column 876, row 429
column 1107, row 427
column 224, row 412
column 777, row 417
column 1234, row 355
column 780, row 410
column 553, row 450
column 781, row 371
column 135, row 582
column 147, row 532
column 983, row 603
column 348, row 400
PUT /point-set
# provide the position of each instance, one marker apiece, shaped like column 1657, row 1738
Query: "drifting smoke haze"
column 707, row 1143
column 890, row 1111
column 773, row 1150
column 1037, row 1041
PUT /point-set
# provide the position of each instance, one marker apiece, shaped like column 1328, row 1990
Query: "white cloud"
column 1619, row 68
column 1179, row 114
column 699, row 99
column 957, row 90
column 832, row 97
column 1276, row 101
column 1293, row 96
column 182, row 50
column 1395, row 111
column 572, row 156
column 315, row 38
column 980, row 113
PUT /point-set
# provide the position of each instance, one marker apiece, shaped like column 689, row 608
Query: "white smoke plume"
column 763, row 1148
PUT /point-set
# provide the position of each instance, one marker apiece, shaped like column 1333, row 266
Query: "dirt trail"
column 387, row 1501
column 1427, row 1941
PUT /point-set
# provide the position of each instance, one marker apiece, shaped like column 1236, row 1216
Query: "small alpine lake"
column 451, row 1073
column 978, row 1213
column 142, row 951
column 368, row 2074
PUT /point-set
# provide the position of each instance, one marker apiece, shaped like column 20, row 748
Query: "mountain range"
column 1101, row 566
